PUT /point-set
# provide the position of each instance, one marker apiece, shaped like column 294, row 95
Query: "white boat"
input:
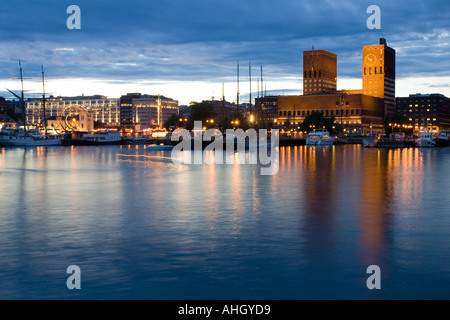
column 426, row 140
column 103, row 137
column 370, row 142
column 320, row 138
column 23, row 139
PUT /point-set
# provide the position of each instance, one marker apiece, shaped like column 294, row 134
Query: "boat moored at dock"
column 103, row 137
column 425, row 140
column 320, row 138
column 443, row 139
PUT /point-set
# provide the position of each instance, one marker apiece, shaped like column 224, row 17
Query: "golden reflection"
column 3, row 162
column 389, row 178
column 210, row 186
column 137, row 156
column 237, row 200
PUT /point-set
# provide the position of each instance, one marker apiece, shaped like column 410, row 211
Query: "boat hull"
column 369, row 142
column 13, row 141
column 442, row 143
column 320, row 142
column 425, row 143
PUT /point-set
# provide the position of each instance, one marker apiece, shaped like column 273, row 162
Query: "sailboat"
column 25, row 137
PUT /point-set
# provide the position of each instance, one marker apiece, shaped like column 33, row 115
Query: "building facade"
column 102, row 109
column 379, row 74
column 267, row 109
column 139, row 112
column 425, row 110
column 357, row 113
column 319, row 72
column 223, row 110
column 7, row 122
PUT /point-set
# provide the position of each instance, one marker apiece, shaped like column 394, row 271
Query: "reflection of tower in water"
column 391, row 178
column 321, row 194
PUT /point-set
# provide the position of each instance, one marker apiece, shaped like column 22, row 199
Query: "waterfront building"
column 7, row 122
column 358, row 113
column 223, row 110
column 379, row 74
column 103, row 110
column 140, row 112
column 425, row 110
column 267, row 109
column 319, row 72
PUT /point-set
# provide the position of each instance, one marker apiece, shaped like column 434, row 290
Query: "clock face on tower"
column 371, row 59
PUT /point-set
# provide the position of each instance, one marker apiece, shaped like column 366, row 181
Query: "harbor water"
column 141, row 227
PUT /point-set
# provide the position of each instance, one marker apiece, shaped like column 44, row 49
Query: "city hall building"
column 358, row 111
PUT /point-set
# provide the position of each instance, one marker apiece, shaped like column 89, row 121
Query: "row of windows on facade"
column 331, row 113
column 313, row 74
column 320, row 80
column 373, row 71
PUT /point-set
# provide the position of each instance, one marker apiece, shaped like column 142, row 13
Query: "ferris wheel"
column 70, row 118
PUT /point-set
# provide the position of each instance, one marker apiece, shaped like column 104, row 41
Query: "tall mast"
column 250, row 78
column 43, row 99
column 223, row 103
column 22, row 99
column 262, row 81
column 258, row 88
column 238, row 93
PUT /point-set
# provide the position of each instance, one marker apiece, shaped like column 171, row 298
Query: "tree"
column 239, row 121
column 316, row 120
column 171, row 122
column 397, row 123
column 201, row 111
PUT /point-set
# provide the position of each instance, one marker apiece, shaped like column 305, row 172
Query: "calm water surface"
column 141, row 227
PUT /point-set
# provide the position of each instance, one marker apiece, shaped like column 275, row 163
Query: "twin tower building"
column 358, row 111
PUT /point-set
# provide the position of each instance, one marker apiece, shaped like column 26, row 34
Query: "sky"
column 186, row 49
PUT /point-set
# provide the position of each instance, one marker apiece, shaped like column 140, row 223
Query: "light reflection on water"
column 140, row 226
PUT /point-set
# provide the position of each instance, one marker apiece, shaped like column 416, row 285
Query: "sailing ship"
column 25, row 137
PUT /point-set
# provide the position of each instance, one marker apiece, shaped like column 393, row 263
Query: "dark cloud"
column 201, row 40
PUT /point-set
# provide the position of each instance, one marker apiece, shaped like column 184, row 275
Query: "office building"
column 425, row 110
column 140, row 112
column 267, row 110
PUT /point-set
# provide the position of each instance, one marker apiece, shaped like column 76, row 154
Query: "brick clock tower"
column 379, row 74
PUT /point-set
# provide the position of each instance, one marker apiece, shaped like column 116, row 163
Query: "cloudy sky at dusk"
column 186, row 49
